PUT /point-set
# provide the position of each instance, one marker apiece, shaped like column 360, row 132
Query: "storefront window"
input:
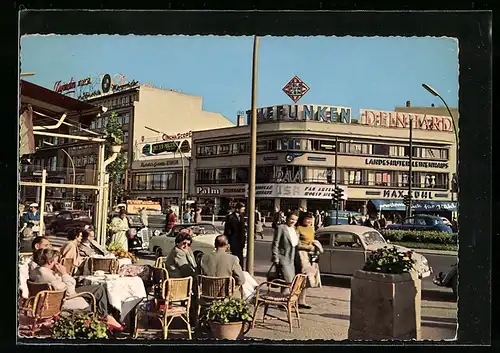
column 157, row 181
column 171, row 181
column 149, row 181
column 141, row 182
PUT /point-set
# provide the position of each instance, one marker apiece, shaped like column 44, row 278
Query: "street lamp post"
column 253, row 162
column 436, row 94
column 72, row 165
column 181, row 211
column 410, row 179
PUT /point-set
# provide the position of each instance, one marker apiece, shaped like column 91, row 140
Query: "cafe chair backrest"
column 107, row 265
column 215, row 288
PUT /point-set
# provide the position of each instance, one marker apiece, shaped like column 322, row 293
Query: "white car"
column 347, row 247
column 204, row 235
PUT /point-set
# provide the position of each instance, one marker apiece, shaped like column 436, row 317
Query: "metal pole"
column 41, row 206
column 181, row 216
column 100, row 180
column 74, row 174
column 104, row 208
column 410, row 179
column 253, row 162
column 336, row 165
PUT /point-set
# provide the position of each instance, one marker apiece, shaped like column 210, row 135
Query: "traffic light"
column 335, row 198
column 340, row 193
column 407, row 200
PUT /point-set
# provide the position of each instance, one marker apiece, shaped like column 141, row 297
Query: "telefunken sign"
column 402, row 120
column 403, row 163
column 302, row 113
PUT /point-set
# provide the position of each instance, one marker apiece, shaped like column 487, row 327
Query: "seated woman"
column 181, row 262
column 52, row 272
column 70, row 249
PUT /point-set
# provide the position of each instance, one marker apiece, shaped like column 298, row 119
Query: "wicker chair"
column 107, row 265
column 69, row 264
column 45, row 302
column 211, row 289
column 174, row 291
column 273, row 298
column 160, row 262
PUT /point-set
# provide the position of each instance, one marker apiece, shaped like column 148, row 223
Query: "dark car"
column 66, row 220
column 422, row 222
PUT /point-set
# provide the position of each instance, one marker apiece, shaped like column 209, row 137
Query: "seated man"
column 221, row 264
column 29, row 265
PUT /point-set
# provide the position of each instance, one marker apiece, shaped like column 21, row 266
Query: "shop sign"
column 287, row 177
column 328, row 114
column 178, row 136
column 221, row 191
column 402, row 120
column 158, row 164
column 405, row 163
column 400, row 194
column 166, row 147
column 297, row 191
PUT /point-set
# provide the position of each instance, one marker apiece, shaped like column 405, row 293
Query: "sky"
column 359, row 72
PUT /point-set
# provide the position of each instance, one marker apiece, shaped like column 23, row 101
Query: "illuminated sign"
column 178, row 136
column 166, row 147
column 329, row 114
column 295, row 89
column 298, row 191
column 402, row 120
column 60, row 87
column 399, row 194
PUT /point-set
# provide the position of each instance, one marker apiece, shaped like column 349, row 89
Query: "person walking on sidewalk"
column 283, row 247
column 234, row 230
column 259, row 229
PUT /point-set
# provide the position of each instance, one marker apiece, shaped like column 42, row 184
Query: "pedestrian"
column 32, row 219
column 317, row 220
column 276, row 219
column 198, row 216
column 171, row 220
column 259, row 229
column 382, row 222
column 119, row 227
column 187, row 216
column 285, row 241
column 143, row 215
column 234, row 230
column 368, row 222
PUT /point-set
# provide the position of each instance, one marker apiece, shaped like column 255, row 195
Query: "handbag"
column 274, row 273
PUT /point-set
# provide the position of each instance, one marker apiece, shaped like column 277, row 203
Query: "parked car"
column 66, row 220
column 347, row 247
column 343, row 218
column 204, row 235
column 449, row 279
column 422, row 222
column 138, row 235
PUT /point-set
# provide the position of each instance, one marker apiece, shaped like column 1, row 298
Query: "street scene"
column 260, row 199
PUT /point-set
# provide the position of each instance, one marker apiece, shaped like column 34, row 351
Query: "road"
column 438, row 262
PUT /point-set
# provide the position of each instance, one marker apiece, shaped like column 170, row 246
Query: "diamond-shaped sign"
column 295, row 89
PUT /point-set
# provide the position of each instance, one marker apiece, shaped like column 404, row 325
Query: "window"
column 224, row 149
column 92, row 125
column 409, row 221
column 205, row 175
column 141, row 182
column 354, row 177
column 224, row 175
column 157, row 181
column 379, row 149
column 354, row 148
column 242, row 175
column 321, row 175
column 261, row 145
column 347, row 240
column 324, row 239
column 171, row 180
column 125, row 136
column 126, row 118
column 243, row 147
column 323, row 145
column 99, row 123
column 264, row 174
column 64, row 216
column 208, row 150
column 382, row 178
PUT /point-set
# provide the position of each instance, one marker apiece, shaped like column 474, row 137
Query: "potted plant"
column 385, row 297
column 79, row 325
column 114, row 134
column 227, row 318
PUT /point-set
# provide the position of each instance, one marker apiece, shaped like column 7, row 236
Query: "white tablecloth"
column 123, row 292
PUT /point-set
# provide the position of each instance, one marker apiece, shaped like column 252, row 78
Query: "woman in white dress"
column 119, row 228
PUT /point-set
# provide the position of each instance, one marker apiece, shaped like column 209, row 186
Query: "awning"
column 417, row 205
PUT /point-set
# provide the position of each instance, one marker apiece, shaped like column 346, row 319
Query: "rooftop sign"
column 402, row 120
column 321, row 113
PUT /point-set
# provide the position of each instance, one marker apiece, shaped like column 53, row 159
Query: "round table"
column 124, row 293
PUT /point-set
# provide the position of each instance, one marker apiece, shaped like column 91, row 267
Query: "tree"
column 114, row 137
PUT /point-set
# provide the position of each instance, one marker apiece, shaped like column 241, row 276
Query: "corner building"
column 296, row 148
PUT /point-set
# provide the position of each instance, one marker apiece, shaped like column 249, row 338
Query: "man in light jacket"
column 221, row 264
column 284, row 244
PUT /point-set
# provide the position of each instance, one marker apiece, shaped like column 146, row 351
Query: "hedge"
column 420, row 236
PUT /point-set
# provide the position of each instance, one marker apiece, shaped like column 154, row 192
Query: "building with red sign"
column 297, row 146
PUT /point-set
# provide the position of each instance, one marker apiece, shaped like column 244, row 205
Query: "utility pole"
column 336, row 170
column 253, row 162
column 410, row 179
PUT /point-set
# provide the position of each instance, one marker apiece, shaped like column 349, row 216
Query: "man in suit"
column 221, row 264
column 284, row 243
column 234, row 230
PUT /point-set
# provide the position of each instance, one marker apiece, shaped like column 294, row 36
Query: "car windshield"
column 80, row 216
column 371, row 238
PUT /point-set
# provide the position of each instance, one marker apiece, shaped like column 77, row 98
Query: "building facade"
column 298, row 146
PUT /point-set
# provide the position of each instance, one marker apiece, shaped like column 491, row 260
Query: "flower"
column 57, row 317
column 87, row 322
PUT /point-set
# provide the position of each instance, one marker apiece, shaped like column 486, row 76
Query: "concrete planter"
column 385, row 306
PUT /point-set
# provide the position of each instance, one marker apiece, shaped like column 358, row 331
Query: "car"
column 204, row 234
column 66, row 220
column 449, row 279
column 343, row 218
column 422, row 222
column 347, row 247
